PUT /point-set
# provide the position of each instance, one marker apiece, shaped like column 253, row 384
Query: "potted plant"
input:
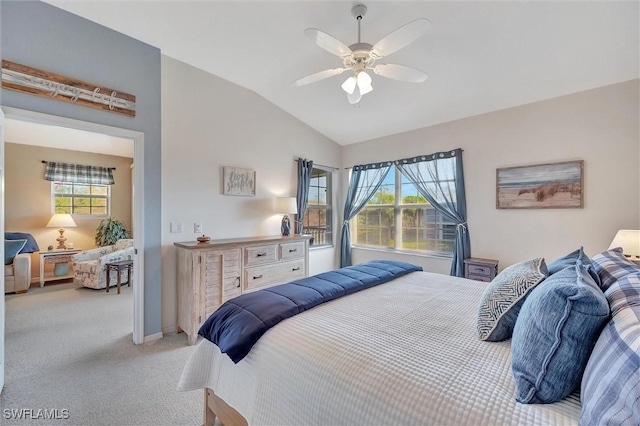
column 109, row 231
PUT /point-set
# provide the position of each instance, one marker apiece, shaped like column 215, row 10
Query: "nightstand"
column 61, row 259
column 479, row 269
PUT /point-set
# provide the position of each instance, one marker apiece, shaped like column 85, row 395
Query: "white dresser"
column 211, row 273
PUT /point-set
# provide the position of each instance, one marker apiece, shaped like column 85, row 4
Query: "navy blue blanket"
column 238, row 324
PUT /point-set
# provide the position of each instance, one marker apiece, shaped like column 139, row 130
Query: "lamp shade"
column 60, row 220
column 286, row 205
column 629, row 240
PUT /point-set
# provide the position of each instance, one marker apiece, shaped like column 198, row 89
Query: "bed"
column 404, row 352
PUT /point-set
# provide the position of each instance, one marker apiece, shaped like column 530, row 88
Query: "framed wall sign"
column 540, row 186
column 238, row 181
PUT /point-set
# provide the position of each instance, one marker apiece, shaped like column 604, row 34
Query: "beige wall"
column 599, row 126
column 208, row 123
column 28, row 195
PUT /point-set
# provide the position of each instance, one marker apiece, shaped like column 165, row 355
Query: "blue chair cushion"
column 30, row 247
column 11, row 249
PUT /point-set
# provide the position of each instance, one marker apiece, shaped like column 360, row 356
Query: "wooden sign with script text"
column 22, row 78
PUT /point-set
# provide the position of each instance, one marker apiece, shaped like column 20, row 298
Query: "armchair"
column 17, row 275
column 89, row 266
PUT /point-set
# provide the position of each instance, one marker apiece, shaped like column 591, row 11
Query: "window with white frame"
column 397, row 217
column 317, row 219
column 81, row 199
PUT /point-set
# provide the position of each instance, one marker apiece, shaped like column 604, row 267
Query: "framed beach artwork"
column 541, row 186
column 238, row 181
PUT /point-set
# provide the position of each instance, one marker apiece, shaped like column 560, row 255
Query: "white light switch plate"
column 176, row 227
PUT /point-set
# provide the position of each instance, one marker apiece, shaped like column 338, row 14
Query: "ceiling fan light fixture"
column 349, row 85
column 354, row 97
column 364, row 83
column 361, row 56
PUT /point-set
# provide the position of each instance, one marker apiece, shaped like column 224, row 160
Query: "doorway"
column 137, row 194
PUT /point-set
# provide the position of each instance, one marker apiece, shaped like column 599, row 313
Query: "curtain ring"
column 463, row 225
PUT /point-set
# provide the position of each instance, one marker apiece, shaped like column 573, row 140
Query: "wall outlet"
column 197, row 227
column 176, row 227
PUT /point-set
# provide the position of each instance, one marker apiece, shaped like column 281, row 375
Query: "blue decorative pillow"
column 570, row 260
column 610, row 393
column 30, row 247
column 556, row 330
column 11, row 249
column 503, row 298
column 611, row 265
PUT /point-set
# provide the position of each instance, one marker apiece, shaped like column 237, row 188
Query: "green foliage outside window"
column 81, row 199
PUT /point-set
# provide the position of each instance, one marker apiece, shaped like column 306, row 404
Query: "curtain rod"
column 112, row 168
column 393, row 161
column 295, row 160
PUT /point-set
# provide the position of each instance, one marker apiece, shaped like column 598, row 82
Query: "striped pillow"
column 611, row 382
column 503, row 298
column 611, row 265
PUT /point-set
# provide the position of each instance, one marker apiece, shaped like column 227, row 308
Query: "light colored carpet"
column 69, row 347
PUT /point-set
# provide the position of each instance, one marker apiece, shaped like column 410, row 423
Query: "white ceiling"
column 31, row 133
column 480, row 56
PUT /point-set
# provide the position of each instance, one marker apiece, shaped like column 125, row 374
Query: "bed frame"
column 214, row 407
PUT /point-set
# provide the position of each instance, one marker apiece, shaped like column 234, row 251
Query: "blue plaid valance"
column 76, row 173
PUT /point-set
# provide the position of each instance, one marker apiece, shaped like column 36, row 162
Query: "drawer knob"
column 293, row 250
column 296, row 269
column 261, row 254
column 257, row 277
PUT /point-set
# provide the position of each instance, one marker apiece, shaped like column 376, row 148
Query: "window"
column 398, row 218
column 81, row 198
column 317, row 219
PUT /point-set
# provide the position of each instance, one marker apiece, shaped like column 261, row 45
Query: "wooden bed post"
column 214, row 406
column 209, row 415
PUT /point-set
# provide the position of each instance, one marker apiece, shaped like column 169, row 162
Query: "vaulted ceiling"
column 480, row 56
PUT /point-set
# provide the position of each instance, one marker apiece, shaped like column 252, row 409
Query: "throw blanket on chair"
column 238, row 324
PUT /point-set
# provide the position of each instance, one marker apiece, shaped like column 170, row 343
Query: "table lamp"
column 286, row 206
column 629, row 240
column 61, row 221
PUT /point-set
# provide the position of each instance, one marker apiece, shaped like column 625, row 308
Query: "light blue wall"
column 42, row 36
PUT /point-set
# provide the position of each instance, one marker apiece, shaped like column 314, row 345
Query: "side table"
column 61, row 260
column 118, row 267
column 479, row 269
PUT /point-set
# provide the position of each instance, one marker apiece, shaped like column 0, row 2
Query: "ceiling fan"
column 360, row 57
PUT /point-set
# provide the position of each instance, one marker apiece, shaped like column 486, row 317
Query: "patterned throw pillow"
column 503, row 298
column 610, row 391
column 611, row 265
column 557, row 327
column 11, row 249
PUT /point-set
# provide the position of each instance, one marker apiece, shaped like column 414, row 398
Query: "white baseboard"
column 172, row 329
column 152, row 338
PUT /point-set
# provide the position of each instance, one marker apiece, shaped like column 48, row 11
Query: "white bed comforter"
column 404, row 352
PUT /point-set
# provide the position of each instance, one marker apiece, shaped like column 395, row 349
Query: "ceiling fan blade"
column 318, row 76
column 400, row 72
column 327, row 42
column 400, row 38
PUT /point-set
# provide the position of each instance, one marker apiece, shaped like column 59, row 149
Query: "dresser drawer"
column 259, row 255
column 264, row 276
column 292, row 250
column 484, row 278
column 479, row 270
